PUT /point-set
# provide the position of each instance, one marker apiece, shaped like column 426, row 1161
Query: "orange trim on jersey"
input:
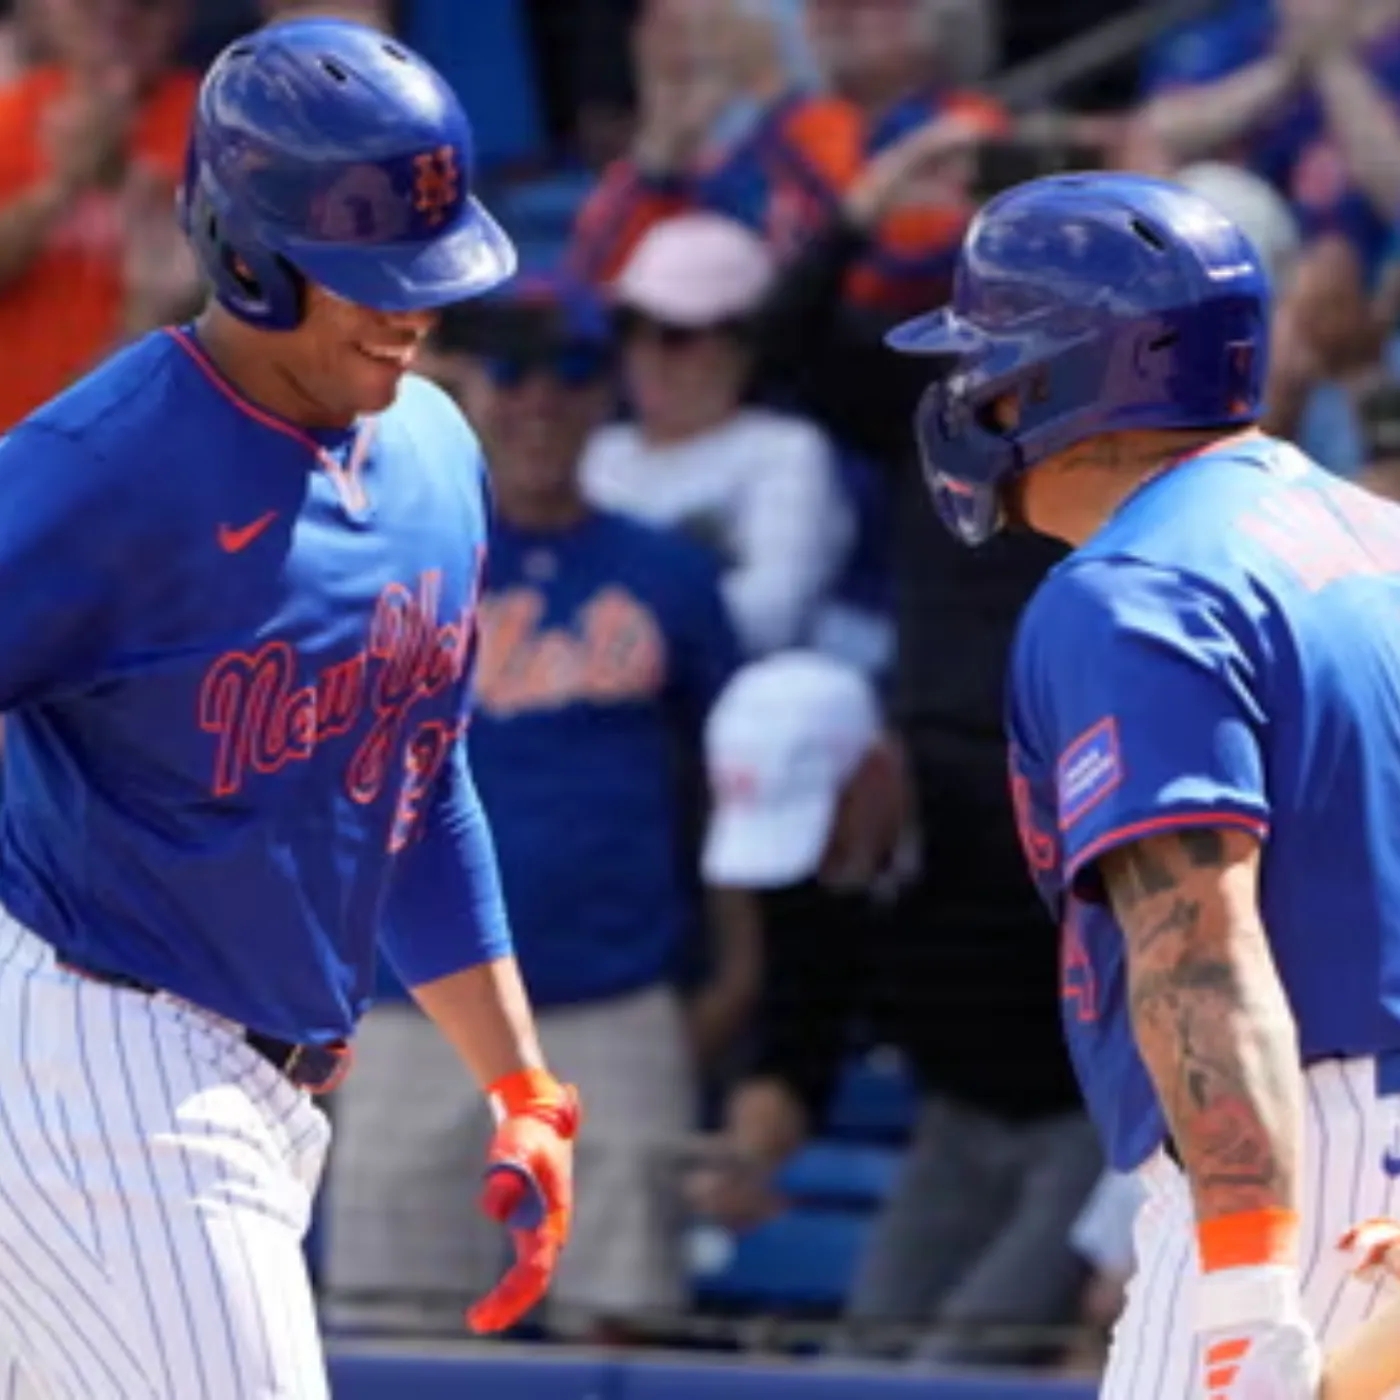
column 348, row 479
column 259, row 415
column 1248, row 1238
column 1173, row 821
column 1220, row 444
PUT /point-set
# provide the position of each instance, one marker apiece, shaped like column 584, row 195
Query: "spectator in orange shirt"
column 884, row 63
column 696, row 61
column 92, row 144
column 892, row 60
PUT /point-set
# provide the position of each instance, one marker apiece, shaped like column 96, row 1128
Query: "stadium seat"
column 540, row 254
column 840, row 1174
column 875, row 1101
column 539, row 215
column 804, row 1261
column 546, row 206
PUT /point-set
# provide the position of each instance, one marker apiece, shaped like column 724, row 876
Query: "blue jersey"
column 1224, row 652
column 602, row 647
column 235, row 660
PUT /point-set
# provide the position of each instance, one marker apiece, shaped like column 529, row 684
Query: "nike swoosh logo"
column 1391, row 1162
column 235, row 539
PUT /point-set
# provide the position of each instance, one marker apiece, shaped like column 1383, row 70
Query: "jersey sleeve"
column 704, row 646
column 70, row 544
column 791, row 538
column 1138, row 689
column 445, row 911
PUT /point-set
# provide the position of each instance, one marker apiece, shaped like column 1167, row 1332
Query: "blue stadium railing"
column 545, row 1376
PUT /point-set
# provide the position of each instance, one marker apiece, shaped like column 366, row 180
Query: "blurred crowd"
column 739, row 699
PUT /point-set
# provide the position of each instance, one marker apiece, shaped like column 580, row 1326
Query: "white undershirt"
column 761, row 489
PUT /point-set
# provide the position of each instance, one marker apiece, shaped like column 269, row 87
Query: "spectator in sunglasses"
column 761, row 488
column 601, row 641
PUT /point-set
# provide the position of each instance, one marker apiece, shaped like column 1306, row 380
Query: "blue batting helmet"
column 1103, row 302
column 325, row 150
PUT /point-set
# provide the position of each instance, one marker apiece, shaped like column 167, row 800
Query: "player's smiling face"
column 349, row 359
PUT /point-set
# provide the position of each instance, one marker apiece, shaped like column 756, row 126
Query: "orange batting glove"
column 529, row 1187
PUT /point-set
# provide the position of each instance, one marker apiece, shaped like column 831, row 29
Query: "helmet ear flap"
column 257, row 285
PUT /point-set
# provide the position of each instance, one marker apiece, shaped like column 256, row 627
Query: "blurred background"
column 739, row 697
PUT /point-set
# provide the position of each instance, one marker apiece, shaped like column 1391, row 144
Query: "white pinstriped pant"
column 156, row 1178
column 1350, row 1130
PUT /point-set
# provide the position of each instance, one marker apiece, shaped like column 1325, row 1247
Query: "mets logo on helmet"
column 435, row 183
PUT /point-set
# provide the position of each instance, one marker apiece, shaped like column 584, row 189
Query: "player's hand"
column 683, row 82
column 1255, row 1343
column 85, row 132
column 914, row 171
column 1374, row 1243
column 1312, row 31
column 529, row 1187
column 730, row 1186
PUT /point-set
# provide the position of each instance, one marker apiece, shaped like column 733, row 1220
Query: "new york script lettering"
column 263, row 717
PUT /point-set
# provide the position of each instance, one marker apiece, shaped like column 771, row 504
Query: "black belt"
column 315, row 1068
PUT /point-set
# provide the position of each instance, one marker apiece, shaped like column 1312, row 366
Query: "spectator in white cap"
column 808, row 815
column 759, row 487
column 805, row 783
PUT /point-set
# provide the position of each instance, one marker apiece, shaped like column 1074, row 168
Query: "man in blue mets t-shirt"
column 603, row 643
column 1204, row 715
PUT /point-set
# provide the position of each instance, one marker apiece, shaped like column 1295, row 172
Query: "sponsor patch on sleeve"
column 1088, row 770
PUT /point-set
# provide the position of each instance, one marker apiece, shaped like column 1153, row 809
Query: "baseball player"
column 1205, row 732
column 240, row 564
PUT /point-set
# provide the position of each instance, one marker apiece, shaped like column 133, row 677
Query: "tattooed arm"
column 1210, row 1017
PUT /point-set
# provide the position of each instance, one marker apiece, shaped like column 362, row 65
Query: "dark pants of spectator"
column 977, row 1233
